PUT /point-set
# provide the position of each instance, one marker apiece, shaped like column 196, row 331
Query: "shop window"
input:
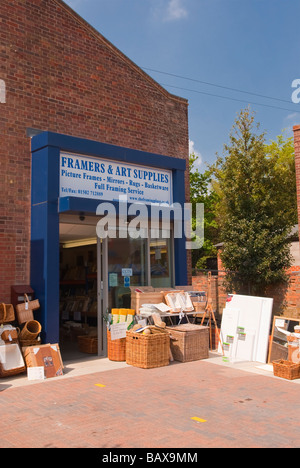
column 125, row 255
column 160, row 263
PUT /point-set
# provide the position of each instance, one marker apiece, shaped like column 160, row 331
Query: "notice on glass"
column 113, row 280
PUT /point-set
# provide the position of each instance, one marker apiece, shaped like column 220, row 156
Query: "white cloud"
column 289, row 121
column 169, row 10
column 175, row 10
column 292, row 116
column 192, row 150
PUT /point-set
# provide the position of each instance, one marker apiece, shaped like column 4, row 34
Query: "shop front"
column 99, row 228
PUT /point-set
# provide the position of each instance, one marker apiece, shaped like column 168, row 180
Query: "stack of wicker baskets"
column 13, row 339
column 29, row 334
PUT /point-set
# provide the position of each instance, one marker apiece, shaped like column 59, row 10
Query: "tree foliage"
column 281, row 154
column 201, row 191
column 256, row 210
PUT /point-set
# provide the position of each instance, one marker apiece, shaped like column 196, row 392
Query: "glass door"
column 127, row 267
column 102, row 295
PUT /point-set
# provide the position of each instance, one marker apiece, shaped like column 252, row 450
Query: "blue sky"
column 245, row 45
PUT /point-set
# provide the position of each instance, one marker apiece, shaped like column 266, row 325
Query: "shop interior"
column 78, row 286
column 149, row 261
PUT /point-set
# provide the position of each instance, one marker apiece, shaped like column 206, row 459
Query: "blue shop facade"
column 90, row 245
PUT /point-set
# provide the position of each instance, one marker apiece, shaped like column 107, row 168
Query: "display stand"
column 211, row 315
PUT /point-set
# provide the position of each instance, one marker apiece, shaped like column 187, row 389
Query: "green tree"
column 201, row 191
column 255, row 212
column 281, row 153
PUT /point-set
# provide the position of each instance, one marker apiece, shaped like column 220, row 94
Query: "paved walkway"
column 201, row 404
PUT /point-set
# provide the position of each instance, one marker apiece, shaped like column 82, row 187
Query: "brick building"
column 65, row 88
column 297, row 163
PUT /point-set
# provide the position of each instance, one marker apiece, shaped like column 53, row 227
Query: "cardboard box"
column 47, row 356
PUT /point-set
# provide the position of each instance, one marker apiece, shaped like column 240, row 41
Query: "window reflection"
column 160, row 263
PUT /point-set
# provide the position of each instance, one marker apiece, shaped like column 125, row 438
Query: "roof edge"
column 117, row 51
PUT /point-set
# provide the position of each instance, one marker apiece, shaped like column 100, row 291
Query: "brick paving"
column 152, row 408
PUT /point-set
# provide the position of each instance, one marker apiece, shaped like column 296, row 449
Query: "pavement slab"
column 184, row 405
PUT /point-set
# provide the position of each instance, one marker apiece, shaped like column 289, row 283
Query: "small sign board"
column 118, row 330
column 126, row 271
column 126, row 281
column 35, row 373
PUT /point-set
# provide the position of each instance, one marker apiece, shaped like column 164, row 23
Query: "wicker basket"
column 116, row 349
column 286, row 369
column 26, row 343
column 10, row 335
column 11, row 360
column 7, row 313
column 25, row 310
column 148, row 351
column 7, row 373
column 189, row 342
column 30, row 331
column 88, row 344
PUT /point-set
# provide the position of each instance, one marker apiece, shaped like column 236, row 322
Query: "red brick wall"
column 63, row 76
column 297, row 163
column 286, row 296
column 292, row 293
column 218, row 292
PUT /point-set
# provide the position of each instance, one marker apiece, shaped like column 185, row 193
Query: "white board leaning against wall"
column 245, row 328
